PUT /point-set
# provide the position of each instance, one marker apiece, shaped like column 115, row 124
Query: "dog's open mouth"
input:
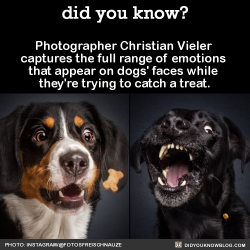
column 177, row 168
column 69, row 197
column 176, row 164
column 177, row 172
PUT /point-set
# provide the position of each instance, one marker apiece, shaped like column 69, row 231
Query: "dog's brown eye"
column 40, row 135
column 208, row 129
column 88, row 135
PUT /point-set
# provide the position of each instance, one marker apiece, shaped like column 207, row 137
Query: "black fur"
column 8, row 228
column 195, row 210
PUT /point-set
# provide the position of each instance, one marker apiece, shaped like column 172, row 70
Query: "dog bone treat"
column 113, row 179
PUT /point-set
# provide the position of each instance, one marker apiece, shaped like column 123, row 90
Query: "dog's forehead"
column 183, row 113
column 191, row 115
column 47, row 112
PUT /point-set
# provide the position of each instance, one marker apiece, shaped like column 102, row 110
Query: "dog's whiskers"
column 216, row 179
column 94, row 201
column 48, row 185
column 40, row 172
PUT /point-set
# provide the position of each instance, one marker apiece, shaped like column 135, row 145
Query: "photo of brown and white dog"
column 52, row 157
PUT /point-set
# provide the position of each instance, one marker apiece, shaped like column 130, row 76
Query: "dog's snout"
column 175, row 124
column 182, row 124
column 74, row 163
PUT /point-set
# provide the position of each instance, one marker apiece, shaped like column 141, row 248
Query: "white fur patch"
column 65, row 145
column 40, row 222
column 62, row 147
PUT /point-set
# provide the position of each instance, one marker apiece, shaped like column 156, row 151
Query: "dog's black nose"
column 74, row 163
column 175, row 124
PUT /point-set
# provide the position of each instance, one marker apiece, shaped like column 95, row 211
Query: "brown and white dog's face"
column 60, row 154
column 60, row 150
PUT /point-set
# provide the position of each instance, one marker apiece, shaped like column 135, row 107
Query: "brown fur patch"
column 92, row 182
column 49, row 122
column 78, row 121
column 36, row 177
column 113, row 179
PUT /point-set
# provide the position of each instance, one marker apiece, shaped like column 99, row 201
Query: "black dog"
column 190, row 154
column 52, row 156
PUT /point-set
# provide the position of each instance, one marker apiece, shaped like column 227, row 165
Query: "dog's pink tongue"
column 175, row 172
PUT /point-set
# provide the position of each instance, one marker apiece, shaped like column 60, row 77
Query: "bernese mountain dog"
column 52, row 156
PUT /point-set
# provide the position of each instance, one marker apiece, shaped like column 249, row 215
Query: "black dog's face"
column 56, row 153
column 183, row 150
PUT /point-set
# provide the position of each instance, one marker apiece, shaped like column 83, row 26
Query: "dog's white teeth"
column 164, row 150
column 165, row 172
column 191, row 157
column 161, row 155
column 61, row 194
column 160, row 181
column 175, row 146
column 183, row 183
column 81, row 194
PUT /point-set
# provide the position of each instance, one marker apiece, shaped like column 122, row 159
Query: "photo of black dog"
column 189, row 155
column 52, row 157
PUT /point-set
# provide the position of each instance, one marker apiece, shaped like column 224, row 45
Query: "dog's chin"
column 175, row 199
column 177, row 173
column 69, row 200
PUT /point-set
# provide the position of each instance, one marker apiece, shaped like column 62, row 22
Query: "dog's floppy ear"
column 136, row 158
column 241, row 145
column 114, row 166
column 10, row 165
